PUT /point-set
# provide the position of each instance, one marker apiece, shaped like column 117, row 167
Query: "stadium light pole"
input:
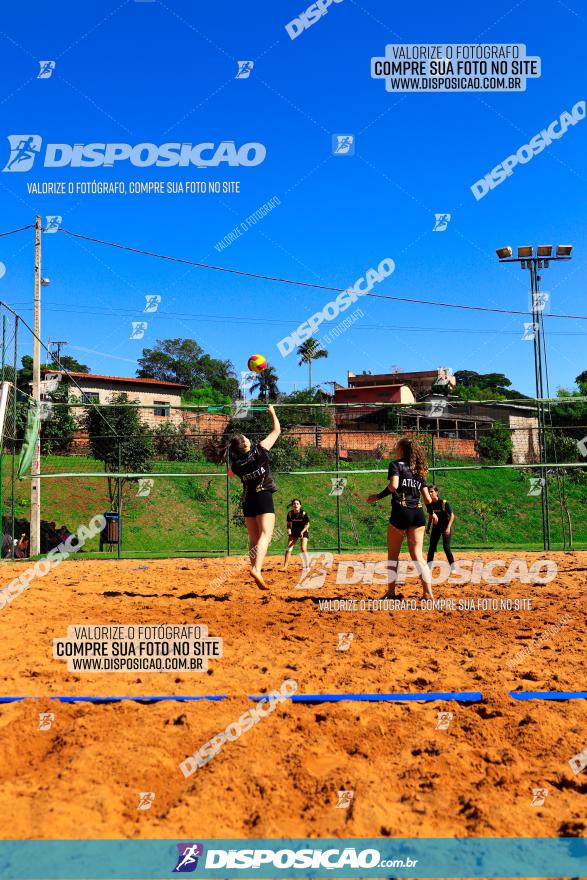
column 35, row 527
column 535, row 259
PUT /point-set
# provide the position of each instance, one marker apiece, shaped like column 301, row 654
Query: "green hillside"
column 186, row 514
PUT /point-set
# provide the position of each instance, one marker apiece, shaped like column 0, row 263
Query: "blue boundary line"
column 461, row 696
column 458, row 696
column 548, row 695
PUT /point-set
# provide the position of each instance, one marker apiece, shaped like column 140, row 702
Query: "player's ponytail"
column 217, row 450
column 415, row 457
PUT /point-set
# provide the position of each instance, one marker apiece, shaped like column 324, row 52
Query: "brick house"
column 161, row 401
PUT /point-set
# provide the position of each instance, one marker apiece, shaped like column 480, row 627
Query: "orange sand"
column 82, row 778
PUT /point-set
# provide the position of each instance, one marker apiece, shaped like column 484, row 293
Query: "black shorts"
column 407, row 517
column 296, row 531
column 257, row 503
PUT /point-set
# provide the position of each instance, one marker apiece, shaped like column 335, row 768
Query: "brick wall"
column 373, row 441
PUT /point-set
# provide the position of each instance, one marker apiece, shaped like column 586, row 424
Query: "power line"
column 260, row 277
column 20, row 229
column 230, row 319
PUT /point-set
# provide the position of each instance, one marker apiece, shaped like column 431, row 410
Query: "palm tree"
column 310, row 351
column 266, row 384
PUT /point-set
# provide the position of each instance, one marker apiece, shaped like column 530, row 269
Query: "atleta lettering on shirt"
column 254, row 470
column 409, row 487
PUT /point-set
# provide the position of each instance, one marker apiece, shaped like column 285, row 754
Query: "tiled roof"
column 124, row 379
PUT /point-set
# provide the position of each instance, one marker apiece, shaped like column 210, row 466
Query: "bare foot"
column 428, row 595
column 258, row 577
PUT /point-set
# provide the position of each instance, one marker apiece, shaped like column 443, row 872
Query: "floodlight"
column 564, row 250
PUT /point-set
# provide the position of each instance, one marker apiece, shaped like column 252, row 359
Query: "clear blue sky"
column 165, row 71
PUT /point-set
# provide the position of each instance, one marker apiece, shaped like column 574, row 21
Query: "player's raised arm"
column 273, row 435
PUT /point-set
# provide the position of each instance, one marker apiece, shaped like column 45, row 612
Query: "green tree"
column 58, row 430
column 120, row 440
column 266, row 384
column 310, row 351
column 496, row 444
column 69, row 363
column 24, row 376
column 485, row 386
column 486, row 510
column 186, row 362
column 205, row 396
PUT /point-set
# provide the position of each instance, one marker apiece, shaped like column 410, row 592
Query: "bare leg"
column 265, row 525
column 415, row 542
column 304, row 553
column 395, row 539
column 253, row 532
column 290, row 544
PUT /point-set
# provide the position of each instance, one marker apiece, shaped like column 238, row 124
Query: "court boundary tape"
column 425, row 697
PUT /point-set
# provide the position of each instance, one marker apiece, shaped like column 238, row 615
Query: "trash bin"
column 110, row 534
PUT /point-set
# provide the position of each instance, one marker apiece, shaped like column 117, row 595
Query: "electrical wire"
column 261, row 277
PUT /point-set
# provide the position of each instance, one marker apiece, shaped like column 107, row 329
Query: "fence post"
column 227, row 505
column 337, row 449
column 5, row 417
column 14, row 439
column 119, row 500
column 433, row 460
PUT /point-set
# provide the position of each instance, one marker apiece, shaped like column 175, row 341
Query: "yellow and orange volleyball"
column 257, row 363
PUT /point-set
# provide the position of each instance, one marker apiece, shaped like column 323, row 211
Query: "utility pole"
column 58, row 343
column 35, row 545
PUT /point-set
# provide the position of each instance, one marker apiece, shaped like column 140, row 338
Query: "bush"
column 286, row 455
column 496, row 445
column 197, row 489
column 315, row 457
column 172, row 442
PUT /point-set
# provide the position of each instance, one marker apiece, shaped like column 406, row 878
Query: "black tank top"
column 254, row 471
column 407, row 493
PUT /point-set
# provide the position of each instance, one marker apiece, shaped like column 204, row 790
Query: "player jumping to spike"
column 251, row 464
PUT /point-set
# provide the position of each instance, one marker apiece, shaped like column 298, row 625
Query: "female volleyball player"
column 251, row 464
column 442, row 528
column 407, row 482
column 298, row 524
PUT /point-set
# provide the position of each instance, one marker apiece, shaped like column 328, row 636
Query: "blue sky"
column 155, row 72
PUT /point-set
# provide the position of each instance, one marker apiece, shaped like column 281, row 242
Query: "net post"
column 227, row 505
column 119, row 500
column 13, row 463
column 337, row 450
column 2, row 442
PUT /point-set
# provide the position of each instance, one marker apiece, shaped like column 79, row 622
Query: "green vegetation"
column 496, row 444
column 187, row 515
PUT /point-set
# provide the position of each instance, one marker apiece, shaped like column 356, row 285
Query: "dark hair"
column 415, row 456
column 216, row 450
column 295, row 499
column 433, row 488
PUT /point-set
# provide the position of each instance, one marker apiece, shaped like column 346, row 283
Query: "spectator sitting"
column 21, row 547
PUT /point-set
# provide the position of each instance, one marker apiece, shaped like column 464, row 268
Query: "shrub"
column 496, row 445
column 172, row 442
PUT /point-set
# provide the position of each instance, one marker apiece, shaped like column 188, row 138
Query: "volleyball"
column 257, row 363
